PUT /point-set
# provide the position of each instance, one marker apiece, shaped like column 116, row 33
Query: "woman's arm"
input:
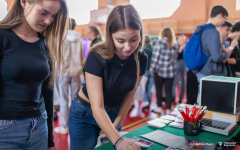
column 47, row 93
column 125, row 106
column 95, row 93
column 181, row 48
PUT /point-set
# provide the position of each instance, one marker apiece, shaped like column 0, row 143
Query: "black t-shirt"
column 118, row 80
column 23, row 68
column 236, row 55
column 24, row 79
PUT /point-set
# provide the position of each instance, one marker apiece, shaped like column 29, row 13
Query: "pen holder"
column 192, row 128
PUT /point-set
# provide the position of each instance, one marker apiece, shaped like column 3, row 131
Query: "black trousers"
column 192, row 88
column 168, row 83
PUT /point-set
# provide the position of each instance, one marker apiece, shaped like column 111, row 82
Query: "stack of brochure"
column 166, row 120
column 157, row 123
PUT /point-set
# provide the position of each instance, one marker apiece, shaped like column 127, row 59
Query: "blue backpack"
column 193, row 56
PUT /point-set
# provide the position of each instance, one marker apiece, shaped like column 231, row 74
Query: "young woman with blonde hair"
column 94, row 35
column 113, row 72
column 31, row 37
column 163, row 66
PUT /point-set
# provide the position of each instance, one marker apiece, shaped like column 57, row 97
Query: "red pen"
column 205, row 107
column 195, row 112
column 187, row 111
column 191, row 117
column 183, row 114
column 199, row 109
column 198, row 116
column 194, row 107
column 204, row 112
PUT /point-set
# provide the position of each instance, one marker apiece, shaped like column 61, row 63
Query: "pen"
column 195, row 110
column 194, row 114
column 204, row 112
column 191, row 117
column 183, row 114
column 198, row 116
column 187, row 110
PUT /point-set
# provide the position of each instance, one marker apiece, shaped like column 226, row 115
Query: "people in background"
column 113, row 72
column 224, row 31
column 69, row 84
column 31, row 37
column 144, row 89
column 148, row 49
column 212, row 46
column 234, row 59
column 163, row 67
column 192, row 87
column 180, row 70
column 94, row 35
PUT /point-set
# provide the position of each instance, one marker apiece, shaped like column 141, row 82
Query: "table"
column 203, row 136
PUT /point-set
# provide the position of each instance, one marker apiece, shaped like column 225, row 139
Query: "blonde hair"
column 170, row 35
column 53, row 34
column 97, row 32
column 122, row 17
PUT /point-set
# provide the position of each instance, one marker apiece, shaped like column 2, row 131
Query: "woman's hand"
column 234, row 42
column 127, row 145
column 152, row 73
column 103, row 135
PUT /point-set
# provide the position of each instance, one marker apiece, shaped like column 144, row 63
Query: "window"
column 3, row 9
column 80, row 10
column 237, row 5
column 149, row 9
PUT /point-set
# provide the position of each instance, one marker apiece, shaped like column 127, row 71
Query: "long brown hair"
column 53, row 33
column 170, row 35
column 122, row 17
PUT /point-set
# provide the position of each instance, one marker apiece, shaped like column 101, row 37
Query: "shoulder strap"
column 208, row 27
column 205, row 28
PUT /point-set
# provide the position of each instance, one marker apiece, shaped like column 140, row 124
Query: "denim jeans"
column 179, row 74
column 83, row 129
column 167, row 82
column 24, row 134
column 67, row 86
column 150, row 83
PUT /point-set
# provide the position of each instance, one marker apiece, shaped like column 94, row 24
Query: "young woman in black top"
column 26, row 97
column 113, row 71
column 94, row 34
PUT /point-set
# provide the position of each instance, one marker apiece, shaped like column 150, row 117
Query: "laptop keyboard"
column 215, row 123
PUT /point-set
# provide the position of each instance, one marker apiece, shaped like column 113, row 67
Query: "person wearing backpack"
column 212, row 46
column 206, row 39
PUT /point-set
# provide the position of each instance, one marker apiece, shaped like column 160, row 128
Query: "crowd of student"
column 220, row 43
column 35, row 54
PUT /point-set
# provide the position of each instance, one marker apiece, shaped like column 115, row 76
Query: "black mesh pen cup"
column 192, row 128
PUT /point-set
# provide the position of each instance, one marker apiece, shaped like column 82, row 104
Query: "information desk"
column 204, row 136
